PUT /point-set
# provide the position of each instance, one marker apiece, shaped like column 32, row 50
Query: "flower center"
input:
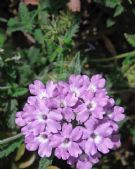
column 43, row 138
column 93, row 135
column 92, row 88
column 66, row 140
column 44, row 117
column 83, row 157
column 91, row 106
column 97, row 139
column 66, row 143
column 42, row 95
column 62, row 105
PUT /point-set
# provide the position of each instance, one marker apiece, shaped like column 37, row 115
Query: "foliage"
column 8, row 149
column 130, row 39
column 44, row 163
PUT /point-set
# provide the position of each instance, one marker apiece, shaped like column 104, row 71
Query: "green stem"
column 123, row 55
column 4, row 87
column 3, row 20
column 9, row 139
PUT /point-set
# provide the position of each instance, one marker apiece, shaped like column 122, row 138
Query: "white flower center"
column 66, row 143
column 62, row 104
column 75, row 91
column 42, row 95
column 43, row 138
column 92, row 88
column 97, row 139
column 92, row 105
column 42, row 117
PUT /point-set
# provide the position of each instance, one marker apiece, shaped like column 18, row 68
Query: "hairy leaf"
column 4, row 152
column 44, row 163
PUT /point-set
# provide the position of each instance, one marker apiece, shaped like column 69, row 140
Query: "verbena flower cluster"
column 75, row 120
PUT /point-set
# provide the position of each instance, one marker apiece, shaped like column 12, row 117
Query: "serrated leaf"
column 44, row 163
column 72, row 31
column 4, row 152
column 23, row 12
column 76, row 64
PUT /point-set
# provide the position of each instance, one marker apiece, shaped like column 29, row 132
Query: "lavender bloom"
column 78, row 83
column 91, row 106
column 38, row 118
column 42, row 91
column 76, row 120
column 97, row 82
column 85, row 161
column 40, row 142
column 67, row 142
column 98, row 137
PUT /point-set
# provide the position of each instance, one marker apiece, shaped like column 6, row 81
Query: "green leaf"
column 119, row 9
column 11, row 113
column 23, row 12
column 73, row 30
column 6, row 150
column 20, row 91
column 112, row 3
column 22, row 22
column 14, row 25
column 130, row 39
column 76, row 64
column 110, row 22
column 44, row 163
column 39, row 36
column 2, row 39
column 35, row 53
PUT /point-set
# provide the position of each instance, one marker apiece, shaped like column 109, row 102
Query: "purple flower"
column 36, row 88
column 40, row 142
column 78, row 83
column 97, row 82
column 67, row 142
column 117, row 114
column 64, row 105
column 38, row 118
column 98, row 137
column 86, row 162
column 42, row 91
column 91, row 106
column 76, row 120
